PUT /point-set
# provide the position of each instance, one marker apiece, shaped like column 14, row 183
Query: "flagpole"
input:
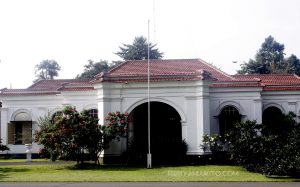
column 149, row 157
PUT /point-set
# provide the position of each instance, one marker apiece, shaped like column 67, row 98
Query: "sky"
column 74, row 31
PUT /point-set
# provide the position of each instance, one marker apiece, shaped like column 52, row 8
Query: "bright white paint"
column 37, row 106
column 196, row 103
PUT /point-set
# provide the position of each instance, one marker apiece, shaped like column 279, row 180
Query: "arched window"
column 20, row 129
column 228, row 116
column 272, row 116
column 93, row 113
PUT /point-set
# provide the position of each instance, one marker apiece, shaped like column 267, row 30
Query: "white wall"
column 38, row 106
column 246, row 100
column 189, row 99
column 284, row 100
column 196, row 103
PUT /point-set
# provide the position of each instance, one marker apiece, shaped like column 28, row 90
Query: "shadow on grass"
column 4, row 171
column 88, row 166
column 292, row 178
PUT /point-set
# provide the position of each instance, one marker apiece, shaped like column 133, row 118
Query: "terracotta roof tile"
column 163, row 70
column 51, row 87
column 272, row 79
column 57, row 83
column 273, row 82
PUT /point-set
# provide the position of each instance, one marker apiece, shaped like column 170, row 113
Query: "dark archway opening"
column 272, row 118
column 227, row 118
column 167, row 146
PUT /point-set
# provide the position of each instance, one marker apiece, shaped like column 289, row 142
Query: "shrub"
column 3, row 147
column 75, row 136
column 272, row 150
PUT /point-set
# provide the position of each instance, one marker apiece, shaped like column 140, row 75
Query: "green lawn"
column 23, row 160
column 67, row 172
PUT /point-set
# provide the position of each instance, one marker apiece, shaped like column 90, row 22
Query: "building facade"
column 189, row 98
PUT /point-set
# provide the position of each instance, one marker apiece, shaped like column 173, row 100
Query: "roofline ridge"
column 31, row 86
column 215, row 68
column 114, row 68
column 295, row 75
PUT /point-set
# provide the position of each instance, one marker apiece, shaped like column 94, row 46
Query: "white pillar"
column 198, row 123
column 257, row 111
column 4, row 123
column 28, row 152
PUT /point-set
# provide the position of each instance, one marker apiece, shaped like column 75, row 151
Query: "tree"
column 93, row 68
column 292, row 65
column 46, row 70
column 270, row 59
column 77, row 136
column 138, row 50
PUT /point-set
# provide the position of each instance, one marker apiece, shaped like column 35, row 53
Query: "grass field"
column 68, row 172
column 24, row 160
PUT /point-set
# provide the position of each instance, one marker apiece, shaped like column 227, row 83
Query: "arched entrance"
column 272, row 118
column 166, row 138
column 228, row 116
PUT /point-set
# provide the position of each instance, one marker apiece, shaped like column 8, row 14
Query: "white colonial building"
column 189, row 98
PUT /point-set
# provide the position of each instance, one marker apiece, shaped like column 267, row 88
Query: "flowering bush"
column 116, row 124
column 74, row 136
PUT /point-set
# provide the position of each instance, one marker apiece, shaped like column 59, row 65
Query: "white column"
column 184, row 130
column 4, row 122
column 103, row 109
column 198, row 123
column 257, row 111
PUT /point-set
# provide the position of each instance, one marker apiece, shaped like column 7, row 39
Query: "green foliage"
column 138, row 50
column 292, row 65
column 272, row 150
column 3, row 147
column 93, row 68
column 73, row 136
column 116, row 124
column 270, row 59
column 247, row 145
column 214, row 143
column 46, row 70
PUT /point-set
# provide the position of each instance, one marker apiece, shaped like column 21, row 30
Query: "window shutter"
column 11, row 133
column 26, row 133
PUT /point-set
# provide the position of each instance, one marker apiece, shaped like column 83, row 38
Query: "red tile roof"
column 274, row 82
column 58, row 83
column 164, row 70
column 272, row 79
column 51, row 87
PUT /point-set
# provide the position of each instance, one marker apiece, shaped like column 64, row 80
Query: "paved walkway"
column 148, row 184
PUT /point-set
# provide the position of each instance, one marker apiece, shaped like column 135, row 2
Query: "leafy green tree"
column 138, row 50
column 75, row 136
column 270, row 59
column 93, row 68
column 46, row 70
column 292, row 65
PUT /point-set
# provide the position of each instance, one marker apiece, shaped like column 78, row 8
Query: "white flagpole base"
column 149, row 161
